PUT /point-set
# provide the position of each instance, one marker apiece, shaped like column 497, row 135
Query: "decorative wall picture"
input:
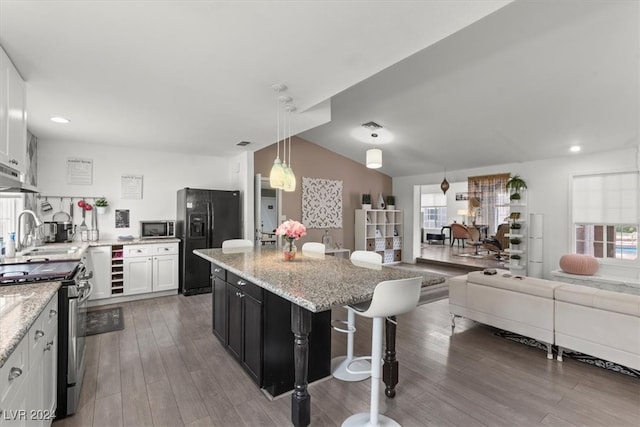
column 131, row 186
column 462, row 196
column 122, row 218
column 321, row 203
column 79, row 171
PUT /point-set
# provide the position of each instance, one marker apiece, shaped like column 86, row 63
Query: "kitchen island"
column 313, row 285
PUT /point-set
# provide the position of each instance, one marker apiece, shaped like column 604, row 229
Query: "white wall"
column 164, row 173
column 548, row 193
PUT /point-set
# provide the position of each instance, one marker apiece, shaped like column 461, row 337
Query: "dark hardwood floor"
column 167, row 369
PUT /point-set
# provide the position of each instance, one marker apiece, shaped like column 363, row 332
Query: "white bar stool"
column 366, row 259
column 313, row 250
column 236, row 245
column 390, row 298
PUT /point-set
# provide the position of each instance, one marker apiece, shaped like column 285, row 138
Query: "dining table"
column 314, row 285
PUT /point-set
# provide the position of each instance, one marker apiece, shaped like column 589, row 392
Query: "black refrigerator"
column 205, row 219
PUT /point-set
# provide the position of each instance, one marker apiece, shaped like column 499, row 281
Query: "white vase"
column 101, row 209
column 380, row 201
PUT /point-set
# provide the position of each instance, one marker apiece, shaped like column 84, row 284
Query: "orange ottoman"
column 583, row 265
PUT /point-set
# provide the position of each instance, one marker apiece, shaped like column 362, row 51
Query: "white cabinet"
column 99, row 261
column 380, row 231
column 28, row 377
column 13, row 116
column 150, row 268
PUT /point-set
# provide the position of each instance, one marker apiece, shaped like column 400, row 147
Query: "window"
column 434, row 210
column 607, row 241
column 10, row 207
column 605, row 215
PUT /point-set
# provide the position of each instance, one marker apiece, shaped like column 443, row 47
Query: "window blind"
column 606, row 198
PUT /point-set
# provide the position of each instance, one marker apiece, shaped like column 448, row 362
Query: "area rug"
column 569, row 354
column 104, row 320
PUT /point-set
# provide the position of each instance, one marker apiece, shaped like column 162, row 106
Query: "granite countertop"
column 20, row 307
column 315, row 284
column 77, row 249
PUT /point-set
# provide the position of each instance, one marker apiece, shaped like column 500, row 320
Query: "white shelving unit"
column 518, row 215
column 380, row 231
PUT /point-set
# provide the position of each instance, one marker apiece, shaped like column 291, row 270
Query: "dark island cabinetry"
column 255, row 327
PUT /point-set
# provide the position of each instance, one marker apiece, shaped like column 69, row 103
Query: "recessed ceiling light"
column 60, row 120
column 575, row 148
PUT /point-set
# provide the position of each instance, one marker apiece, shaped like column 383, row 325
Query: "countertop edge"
column 18, row 320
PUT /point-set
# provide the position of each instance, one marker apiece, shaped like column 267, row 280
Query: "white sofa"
column 524, row 306
column 598, row 322
column 592, row 321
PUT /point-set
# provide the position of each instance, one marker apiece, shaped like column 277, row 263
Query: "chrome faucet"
column 19, row 243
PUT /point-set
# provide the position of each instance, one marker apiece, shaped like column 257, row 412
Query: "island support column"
column 300, row 399
column 390, row 367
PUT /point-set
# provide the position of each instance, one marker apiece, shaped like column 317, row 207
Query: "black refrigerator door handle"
column 209, row 224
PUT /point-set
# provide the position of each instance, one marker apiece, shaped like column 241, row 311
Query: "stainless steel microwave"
column 157, row 229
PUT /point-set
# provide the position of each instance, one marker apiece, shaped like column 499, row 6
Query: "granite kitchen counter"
column 315, row 284
column 136, row 241
column 20, row 306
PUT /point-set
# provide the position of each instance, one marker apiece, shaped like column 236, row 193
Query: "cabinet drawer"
column 249, row 288
column 164, row 249
column 219, row 272
column 42, row 330
column 14, row 371
column 132, row 251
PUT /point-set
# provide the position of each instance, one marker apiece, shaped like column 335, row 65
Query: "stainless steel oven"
column 72, row 304
column 72, row 320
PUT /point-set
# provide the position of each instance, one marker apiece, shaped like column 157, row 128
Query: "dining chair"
column 474, row 238
column 390, row 298
column 459, row 232
column 365, row 259
column 313, row 250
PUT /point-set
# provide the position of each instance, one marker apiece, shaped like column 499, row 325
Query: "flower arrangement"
column 291, row 230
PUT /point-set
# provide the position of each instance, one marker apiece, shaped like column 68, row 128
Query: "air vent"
column 243, row 143
column 372, row 125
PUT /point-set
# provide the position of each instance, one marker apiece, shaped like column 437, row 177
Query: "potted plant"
column 515, row 241
column 391, row 202
column 516, row 226
column 515, row 185
column 515, row 259
column 101, row 205
column 366, row 201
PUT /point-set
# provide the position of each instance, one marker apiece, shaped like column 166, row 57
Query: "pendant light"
column 374, row 155
column 444, row 185
column 289, row 176
column 276, row 177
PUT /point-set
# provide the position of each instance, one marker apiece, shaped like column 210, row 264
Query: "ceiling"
column 456, row 84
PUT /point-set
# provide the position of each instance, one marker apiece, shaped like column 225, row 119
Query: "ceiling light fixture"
column 289, row 176
column 59, row 120
column 444, row 185
column 575, row 148
column 276, row 176
column 374, row 155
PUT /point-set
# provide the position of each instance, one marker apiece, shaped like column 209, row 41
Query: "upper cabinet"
column 13, row 116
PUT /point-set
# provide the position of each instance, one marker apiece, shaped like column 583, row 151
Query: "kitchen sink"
column 50, row 251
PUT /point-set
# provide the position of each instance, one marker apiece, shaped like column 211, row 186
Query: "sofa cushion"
column 599, row 298
column 528, row 285
column 583, row 265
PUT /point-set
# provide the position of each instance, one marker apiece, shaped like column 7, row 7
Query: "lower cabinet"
column 244, row 324
column 28, row 377
column 99, row 261
column 150, row 268
column 255, row 327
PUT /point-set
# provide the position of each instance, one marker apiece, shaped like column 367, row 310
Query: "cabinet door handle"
column 52, row 313
column 217, row 270
column 241, row 283
column 14, row 373
column 39, row 334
